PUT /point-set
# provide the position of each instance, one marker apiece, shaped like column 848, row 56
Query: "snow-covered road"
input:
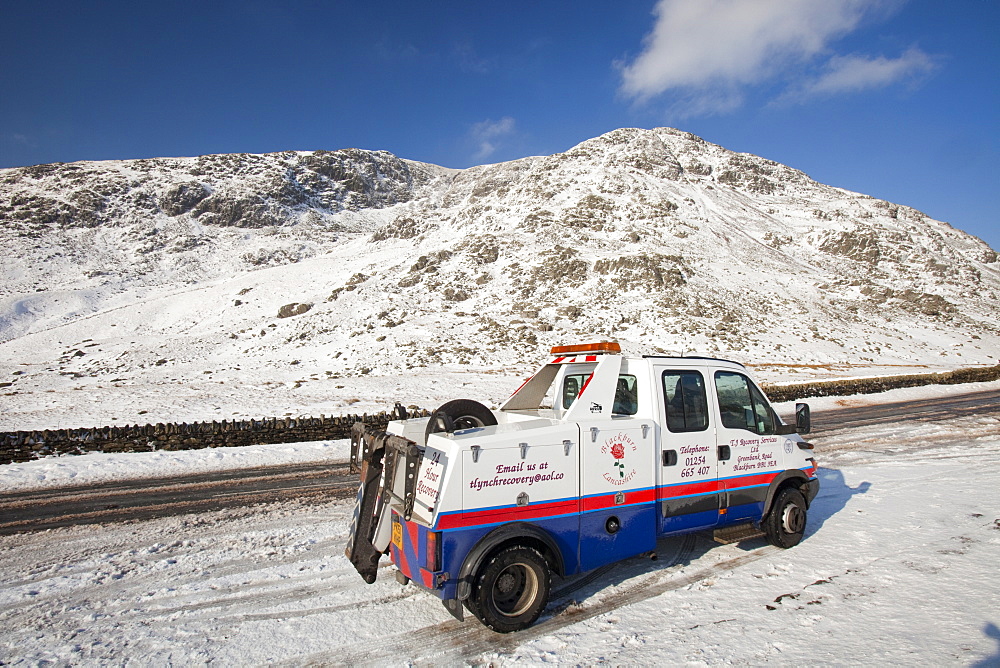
column 898, row 566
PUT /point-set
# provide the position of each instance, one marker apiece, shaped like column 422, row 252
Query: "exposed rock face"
column 293, row 309
column 240, row 190
column 163, row 220
column 182, row 197
column 653, row 237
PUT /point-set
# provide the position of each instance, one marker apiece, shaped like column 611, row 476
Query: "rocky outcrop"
column 239, row 190
column 293, row 309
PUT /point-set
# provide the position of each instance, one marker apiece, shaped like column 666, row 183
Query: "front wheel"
column 786, row 522
column 511, row 589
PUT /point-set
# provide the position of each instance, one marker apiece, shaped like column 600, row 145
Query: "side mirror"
column 803, row 420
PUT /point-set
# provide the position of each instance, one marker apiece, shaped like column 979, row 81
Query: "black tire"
column 511, row 589
column 786, row 522
column 460, row 414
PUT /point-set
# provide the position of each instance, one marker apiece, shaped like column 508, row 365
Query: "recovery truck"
column 592, row 460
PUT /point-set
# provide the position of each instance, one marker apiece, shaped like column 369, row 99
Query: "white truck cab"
column 592, row 460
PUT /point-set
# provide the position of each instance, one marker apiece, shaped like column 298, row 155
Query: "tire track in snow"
column 52, row 550
column 130, row 581
column 453, row 641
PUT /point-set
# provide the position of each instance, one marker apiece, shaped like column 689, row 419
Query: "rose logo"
column 618, row 452
column 617, row 445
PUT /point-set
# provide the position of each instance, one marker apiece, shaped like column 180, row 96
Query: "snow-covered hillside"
column 200, row 288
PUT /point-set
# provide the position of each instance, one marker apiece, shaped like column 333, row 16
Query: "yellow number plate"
column 397, row 533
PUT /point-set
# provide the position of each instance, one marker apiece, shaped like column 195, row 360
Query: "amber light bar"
column 602, row 347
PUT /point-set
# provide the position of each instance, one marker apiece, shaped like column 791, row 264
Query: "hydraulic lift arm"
column 388, row 467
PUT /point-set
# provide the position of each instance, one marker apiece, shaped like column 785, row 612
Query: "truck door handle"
column 669, row 458
column 724, row 453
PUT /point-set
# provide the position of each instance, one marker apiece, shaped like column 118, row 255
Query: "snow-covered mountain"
column 194, row 275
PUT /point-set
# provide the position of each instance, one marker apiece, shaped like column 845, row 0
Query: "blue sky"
column 894, row 98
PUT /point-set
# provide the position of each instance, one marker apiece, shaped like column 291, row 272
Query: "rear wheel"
column 786, row 522
column 511, row 589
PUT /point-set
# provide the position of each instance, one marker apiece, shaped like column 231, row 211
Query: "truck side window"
column 741, row 404
column 626, row 399
column 571, row 387
column 685, row 400
column 626, row 396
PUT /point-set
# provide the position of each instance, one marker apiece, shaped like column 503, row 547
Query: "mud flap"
column 455, row 607
column 386, row 462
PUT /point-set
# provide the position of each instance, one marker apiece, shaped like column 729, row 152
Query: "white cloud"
column 848, row 74
column 487, row 133
column 18, row 139
column 465, row 56
column 706, row 52
column 718, row 100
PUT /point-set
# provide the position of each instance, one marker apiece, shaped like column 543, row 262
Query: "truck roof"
column 589, row 352
column 694, row 357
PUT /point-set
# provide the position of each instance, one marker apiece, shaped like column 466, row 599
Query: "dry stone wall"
column 840, row 388
column 20, row 446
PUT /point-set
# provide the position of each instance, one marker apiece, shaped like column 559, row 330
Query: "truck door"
column 617, row 481
column 749, row 455
column 617, row 457
column 688, row 491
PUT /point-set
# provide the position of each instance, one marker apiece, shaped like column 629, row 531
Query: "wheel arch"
column 793, row 478
column 507, row 535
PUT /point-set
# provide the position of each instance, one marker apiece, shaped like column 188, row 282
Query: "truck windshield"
column 626, row 398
